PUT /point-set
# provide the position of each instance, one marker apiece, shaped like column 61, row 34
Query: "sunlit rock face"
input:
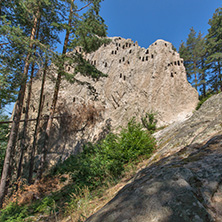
column 142, row 80
column 182, row 180
column 139, row 81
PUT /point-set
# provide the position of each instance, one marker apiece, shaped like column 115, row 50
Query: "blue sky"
column 146, row 21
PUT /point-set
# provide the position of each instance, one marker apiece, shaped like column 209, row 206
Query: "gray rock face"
column 203, row 125
column 139, row 81
column 143, row 80
column 180, row 183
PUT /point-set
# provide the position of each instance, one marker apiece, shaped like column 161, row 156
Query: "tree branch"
column 83, row 7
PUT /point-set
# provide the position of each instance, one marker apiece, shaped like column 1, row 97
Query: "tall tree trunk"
column 195, row 75
column 41, row 101
column 220, row 76
column 24, row 132
column 16, row 117
column 203, row 77
column 43, row 162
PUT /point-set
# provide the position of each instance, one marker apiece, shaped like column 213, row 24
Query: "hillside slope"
column 182, row 181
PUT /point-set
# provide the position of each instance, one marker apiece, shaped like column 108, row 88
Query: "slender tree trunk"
column 33, row 150
column 16, row 117
column 203, row 78
column 195, row 75
column 24, row 132
column 220, row 76
column 43, row 162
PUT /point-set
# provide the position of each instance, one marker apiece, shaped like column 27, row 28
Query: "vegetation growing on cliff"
column 92, row 170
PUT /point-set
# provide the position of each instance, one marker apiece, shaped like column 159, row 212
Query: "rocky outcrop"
column 183, row 180
column 139, row 81
column 201, row 127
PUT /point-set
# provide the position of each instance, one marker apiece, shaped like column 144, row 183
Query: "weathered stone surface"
column 139, row 81
column 174, row 189
column 180, row 183
column 204, row 124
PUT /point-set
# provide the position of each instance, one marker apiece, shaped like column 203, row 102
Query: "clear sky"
column 146, row 21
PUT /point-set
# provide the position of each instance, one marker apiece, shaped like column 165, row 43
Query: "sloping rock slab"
column 186, row 186
column 199, row 128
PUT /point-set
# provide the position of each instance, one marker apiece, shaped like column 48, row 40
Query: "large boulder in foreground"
column 180, row 183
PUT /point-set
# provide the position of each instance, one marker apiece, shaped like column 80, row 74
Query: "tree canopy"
column 203, row 56
column 29, row 33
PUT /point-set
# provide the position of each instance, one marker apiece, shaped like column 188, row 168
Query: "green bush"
column 14, row 213
column 105, row 160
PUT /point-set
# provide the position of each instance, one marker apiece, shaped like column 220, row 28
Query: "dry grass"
column 28, row 193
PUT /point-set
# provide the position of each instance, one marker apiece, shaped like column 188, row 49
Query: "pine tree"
column 214, row 50
column 202, row 68
column 194, row 54
column 47, row 36
column 184, row 53
column 17, row 114
column 33, row 146
column 85, row 31
column 22, row 18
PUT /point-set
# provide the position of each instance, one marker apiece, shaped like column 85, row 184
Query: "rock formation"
column 182, row 181
column 139, row 81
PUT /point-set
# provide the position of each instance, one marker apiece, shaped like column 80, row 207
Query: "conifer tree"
column 214, row 50
column 86, row 31
column 202, row 68
column 17, row 113
column 194, row 53
column 22, row 19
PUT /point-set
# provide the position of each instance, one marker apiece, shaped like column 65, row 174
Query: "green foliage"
column 86, row 69
column 214, row 50
column 149, row 122
column 46, row 205
column 193, row 52
column 105, row 160
column 91, row 170
column 89, row 31
column 203, row 56
column 14, row 213
column 17, row 213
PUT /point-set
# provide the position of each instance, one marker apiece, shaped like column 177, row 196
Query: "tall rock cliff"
column 139, row 81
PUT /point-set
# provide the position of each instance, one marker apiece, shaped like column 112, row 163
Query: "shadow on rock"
column 183, row 187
